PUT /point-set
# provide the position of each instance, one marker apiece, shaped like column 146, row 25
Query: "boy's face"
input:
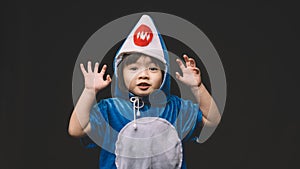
column 142, row 77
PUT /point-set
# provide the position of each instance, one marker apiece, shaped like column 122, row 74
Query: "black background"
column 257, row 43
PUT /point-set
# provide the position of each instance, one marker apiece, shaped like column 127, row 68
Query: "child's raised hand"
column 190, row 73
column 93, row 80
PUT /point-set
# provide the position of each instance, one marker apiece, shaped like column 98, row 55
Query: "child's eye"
column 133, row 68
column 153, row 69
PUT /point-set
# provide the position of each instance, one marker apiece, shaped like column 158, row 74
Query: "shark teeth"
column 143, row 35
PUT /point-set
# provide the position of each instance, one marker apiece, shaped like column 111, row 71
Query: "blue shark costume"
column 142, row 132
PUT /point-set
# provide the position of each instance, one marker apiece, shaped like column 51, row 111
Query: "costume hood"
column 144, row 38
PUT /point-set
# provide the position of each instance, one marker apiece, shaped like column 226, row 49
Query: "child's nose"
column 144, row 74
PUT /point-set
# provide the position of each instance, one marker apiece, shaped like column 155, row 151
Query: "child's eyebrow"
column 134, row 63
column 147, row 63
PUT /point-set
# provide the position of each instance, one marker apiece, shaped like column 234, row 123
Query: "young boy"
column 143, row 125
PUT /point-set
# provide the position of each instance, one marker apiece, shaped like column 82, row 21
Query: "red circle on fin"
column 142, row 36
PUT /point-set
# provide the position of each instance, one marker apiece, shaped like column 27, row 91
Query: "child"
column 143, row 125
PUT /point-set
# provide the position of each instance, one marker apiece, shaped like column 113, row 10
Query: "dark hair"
column 126, row 60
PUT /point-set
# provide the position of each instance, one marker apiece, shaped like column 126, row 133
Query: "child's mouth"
column 143, row 86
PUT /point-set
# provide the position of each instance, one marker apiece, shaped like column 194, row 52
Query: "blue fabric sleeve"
column 97, row 127
column 194, row 134
column 195, row 122
column 188, row 118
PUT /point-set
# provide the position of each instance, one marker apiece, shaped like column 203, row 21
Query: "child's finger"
column 180, row 64
column 82, row 69
column 192, row 62
column 108, row 78
column 103, row 69
column 178, row 76
column 196, row 70
column 186, row 59
column 96, row 67
column 89, row 67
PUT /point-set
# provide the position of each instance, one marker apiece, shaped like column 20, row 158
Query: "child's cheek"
column 132, row 79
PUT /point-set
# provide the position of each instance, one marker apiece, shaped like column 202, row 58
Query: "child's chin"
column 142, row 93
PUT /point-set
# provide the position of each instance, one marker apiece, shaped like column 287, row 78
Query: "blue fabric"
column 109, row 116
